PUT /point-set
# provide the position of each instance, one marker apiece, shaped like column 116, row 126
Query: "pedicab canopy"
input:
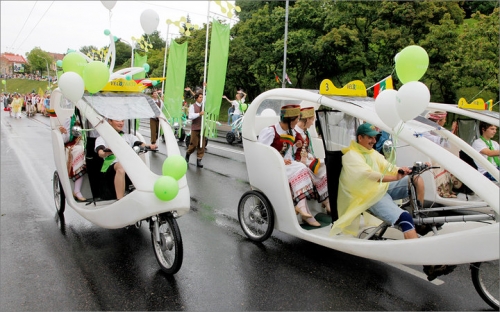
column 122, row 105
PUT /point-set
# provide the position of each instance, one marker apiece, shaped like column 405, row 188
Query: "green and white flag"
column 175, row 81
column 217, row 67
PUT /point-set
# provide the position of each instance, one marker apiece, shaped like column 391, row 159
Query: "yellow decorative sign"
column 478, row 104
column 353, row 88
column 123, row 85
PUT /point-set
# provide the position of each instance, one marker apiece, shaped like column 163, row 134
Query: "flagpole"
column 165, row 61
column 283, row 81
column 202, row 136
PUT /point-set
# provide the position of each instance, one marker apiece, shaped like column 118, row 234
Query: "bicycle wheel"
column 169, row 251
column 256, row 216
column 486, row 281
column 59, row 197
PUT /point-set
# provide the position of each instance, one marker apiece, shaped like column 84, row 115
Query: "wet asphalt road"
column 49, row 263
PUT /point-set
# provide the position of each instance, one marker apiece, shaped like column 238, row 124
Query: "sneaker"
column 433, row 271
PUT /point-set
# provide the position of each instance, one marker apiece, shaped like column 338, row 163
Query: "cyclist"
column 368, row 182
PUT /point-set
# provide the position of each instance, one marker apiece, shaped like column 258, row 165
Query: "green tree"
column 39, row 60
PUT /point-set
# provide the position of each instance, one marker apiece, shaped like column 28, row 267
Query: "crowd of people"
column 36, row 77
column 32, row 103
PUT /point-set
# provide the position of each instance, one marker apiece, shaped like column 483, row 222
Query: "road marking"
column 416, row 273
column 227, row 149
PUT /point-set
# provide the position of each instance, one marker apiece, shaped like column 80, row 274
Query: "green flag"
column 138, row 62
column 174, row 84
column 217, row 66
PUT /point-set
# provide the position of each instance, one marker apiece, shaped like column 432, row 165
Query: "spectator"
column 488, row 148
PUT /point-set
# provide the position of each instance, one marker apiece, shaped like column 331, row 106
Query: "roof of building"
column 57, row 56
column 14, row 58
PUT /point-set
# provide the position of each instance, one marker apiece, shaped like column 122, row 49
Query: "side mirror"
column 387, row 148
column 76, row 131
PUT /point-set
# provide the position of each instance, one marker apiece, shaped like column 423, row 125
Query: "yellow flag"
column 40, row 92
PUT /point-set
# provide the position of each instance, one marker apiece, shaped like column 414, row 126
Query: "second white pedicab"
column 140, row 202
column 268, row 206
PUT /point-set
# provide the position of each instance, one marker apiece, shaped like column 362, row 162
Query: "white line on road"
column 416, row 273
column 226, row 149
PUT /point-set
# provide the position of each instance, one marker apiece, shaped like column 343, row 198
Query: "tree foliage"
column 345, row 41
column 39, row 59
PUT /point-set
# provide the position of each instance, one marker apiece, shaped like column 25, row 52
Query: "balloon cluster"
column 174, row 168
column 81, row 73
column 413, row 97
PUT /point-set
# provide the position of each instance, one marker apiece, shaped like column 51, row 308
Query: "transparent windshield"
column 123, row 106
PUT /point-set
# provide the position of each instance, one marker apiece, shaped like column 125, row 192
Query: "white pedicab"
column 140, row 202
column 269, row 204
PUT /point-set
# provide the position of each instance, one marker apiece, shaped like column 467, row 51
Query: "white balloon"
column 269, row 112
column 412, row 99
column 72, row 86
column 149, row 21
column 109, row 4
column 385, row 106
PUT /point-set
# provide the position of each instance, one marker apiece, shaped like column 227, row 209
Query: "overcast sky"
column 56, row 26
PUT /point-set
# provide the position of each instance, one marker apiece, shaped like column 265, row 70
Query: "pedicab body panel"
column 457, row 243
column 139, row 204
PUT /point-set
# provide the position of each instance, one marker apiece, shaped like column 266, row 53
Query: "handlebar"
column 418, row 168
column 143, row 149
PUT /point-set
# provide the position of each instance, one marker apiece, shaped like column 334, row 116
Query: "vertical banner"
column 175, row 81
column 217, row 66
column 138, row 62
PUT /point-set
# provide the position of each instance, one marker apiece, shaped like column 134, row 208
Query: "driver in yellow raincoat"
column 369, row 182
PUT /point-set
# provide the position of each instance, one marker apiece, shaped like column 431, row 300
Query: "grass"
column 24, row 85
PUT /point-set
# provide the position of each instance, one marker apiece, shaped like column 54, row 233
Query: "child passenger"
column 281, row 136
column 305, row 154
column 75, row 155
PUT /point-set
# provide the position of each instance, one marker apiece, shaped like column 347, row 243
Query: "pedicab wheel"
column 59, row 197
column 169, row 251
column 256, row 216
column 230, row 137
column 188, row 139
column 485, row 279
column 183, row 135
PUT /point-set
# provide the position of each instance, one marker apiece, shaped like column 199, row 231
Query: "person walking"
column 195, row 115
column 154, row 123
column 17, row 105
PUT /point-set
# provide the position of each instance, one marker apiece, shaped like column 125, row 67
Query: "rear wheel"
column 182, row 136
column 59, row 197
column 169, row 250
column 486, row 281
column 256, row 216
column 230, row 137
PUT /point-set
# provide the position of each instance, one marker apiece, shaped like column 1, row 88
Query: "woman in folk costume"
column 281, row 136
column 75, row 153
column 443, row 178
column 305, row 154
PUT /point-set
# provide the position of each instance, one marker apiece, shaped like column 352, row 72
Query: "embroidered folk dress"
column 75, row 150
column 299, row 179
column 317, row 168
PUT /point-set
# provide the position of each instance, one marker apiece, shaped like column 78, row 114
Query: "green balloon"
column 174, row 166
column 411, row 63
column 95, row 76
column 166, row 188
column 146, row 67
column 74, row 62
column 3, row 81
column 244, row 107
column 59, row 63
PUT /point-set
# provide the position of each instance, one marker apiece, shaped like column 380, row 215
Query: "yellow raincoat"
column 359, row 186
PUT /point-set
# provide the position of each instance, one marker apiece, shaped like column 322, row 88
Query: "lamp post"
column 48, row 73
column 283, row 82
